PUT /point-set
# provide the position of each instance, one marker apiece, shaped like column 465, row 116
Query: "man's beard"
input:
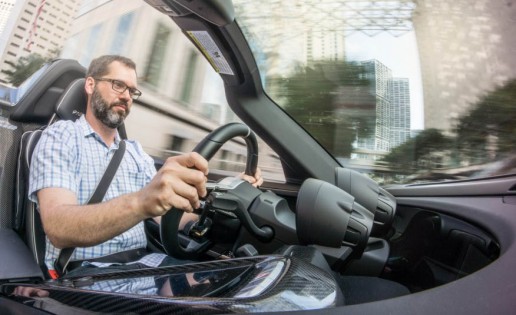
column 105, row 113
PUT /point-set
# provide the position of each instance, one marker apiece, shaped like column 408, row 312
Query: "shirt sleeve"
column 146, row 161
column 54, row 160
column 150, row 169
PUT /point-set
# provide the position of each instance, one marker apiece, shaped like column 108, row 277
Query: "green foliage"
column 333, row 101
column 418, row 150
column 319, row 97
column 26, row 66
column 485, row 133
column 489, row 128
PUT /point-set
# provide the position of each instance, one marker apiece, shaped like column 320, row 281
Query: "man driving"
column 71, row 157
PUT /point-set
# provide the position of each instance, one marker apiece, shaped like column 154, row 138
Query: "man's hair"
column 99, row 66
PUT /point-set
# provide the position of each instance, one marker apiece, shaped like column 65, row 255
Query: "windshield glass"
column 403, row 90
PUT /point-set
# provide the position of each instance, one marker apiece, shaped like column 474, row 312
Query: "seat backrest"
column 26, row 218
column 70, row 106
column 30, row 106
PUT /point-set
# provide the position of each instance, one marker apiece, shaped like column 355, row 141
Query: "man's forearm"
column 70, row 225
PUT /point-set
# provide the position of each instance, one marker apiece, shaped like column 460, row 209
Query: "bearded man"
column 71, row 157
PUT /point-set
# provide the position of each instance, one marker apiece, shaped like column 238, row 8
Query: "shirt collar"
column 87, row 131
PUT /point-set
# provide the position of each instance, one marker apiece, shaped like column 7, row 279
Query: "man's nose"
column 125, row 95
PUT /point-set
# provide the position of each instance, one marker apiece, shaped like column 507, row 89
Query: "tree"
column 26, row 66
column 488, row 130
column 420, row 151
column 323, row 98
column 485, row 133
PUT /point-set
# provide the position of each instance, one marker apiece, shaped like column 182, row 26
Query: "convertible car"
column 360, row 208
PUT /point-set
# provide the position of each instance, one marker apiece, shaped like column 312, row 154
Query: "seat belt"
column 62, row 261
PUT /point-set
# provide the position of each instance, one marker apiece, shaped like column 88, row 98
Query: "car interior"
column 325, row 221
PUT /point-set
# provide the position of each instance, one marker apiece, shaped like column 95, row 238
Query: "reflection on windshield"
column 402, row 90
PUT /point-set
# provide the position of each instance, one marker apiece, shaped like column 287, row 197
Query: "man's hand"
column 178, row 183
column 255, row 180
column 30, row 292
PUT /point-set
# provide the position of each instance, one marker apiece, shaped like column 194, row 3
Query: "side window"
column 403, row 91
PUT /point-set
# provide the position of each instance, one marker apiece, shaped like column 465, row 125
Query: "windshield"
column 403, row 90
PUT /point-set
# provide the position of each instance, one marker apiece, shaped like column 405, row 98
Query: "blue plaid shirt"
column 71, row 155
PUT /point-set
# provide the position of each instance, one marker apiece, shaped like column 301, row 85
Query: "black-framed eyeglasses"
column 120, row 87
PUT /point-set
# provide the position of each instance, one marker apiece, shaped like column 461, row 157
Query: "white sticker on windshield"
column 211, row 51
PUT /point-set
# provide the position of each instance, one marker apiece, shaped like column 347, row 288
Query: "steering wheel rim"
column 169, row 227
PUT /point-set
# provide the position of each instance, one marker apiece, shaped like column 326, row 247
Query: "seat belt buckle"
column 53, row 274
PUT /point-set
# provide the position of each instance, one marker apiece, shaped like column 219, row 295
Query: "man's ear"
column 89, row 85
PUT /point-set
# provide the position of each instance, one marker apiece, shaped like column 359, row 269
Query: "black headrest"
column 72, row 103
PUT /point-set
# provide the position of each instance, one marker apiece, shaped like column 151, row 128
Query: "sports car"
column 384, row 130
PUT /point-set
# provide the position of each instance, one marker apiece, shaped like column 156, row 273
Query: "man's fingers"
column 255, row 180
column 176, row 170
column 185, row 196
column 258, row 177
column 193, row 178
column 30, row 292
column 194, row 160
column 181, row 203
column 174, row 186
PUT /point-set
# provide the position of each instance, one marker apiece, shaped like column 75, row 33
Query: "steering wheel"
column 183, row 246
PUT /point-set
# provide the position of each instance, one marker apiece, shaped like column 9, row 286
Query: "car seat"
column 70, row 106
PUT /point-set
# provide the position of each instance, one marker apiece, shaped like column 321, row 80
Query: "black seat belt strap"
column 63, row 259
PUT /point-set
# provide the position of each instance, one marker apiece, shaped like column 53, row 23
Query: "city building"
column 170, row 71
column 6, row 6
column 300, row 47
column 387, row 99
column 391, row 99
column 183, row 97
column 379, row 77
column 462, row 37
column 35, row 27
column 399, row 92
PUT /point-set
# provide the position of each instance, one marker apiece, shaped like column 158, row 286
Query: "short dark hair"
column 99, row 66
